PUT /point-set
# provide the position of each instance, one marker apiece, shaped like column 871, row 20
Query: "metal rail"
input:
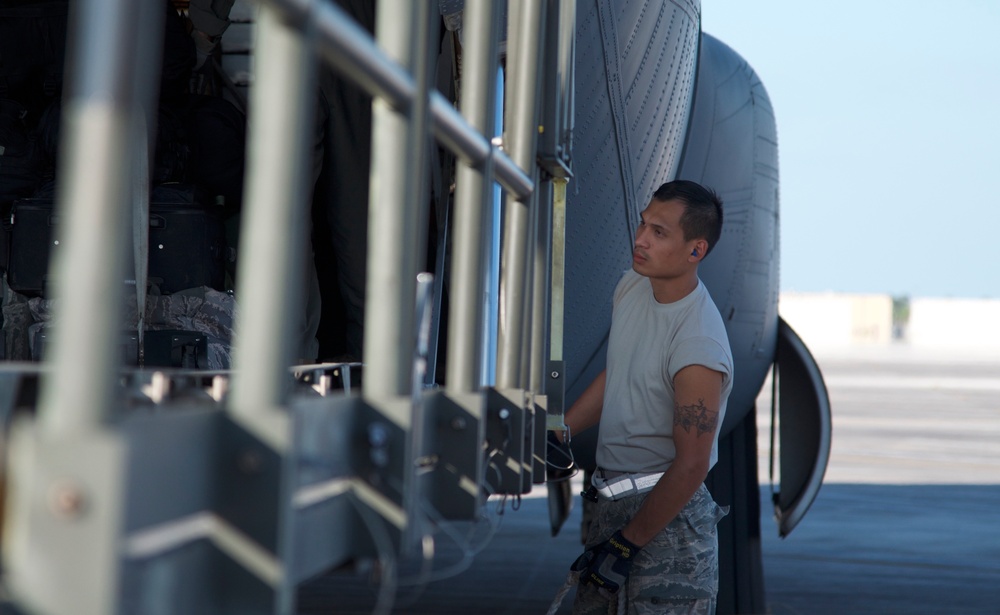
column 111, row 89
column 278, row 160
column 398, row 206
column 349, row 49
column 527, row 18
column 473, row 188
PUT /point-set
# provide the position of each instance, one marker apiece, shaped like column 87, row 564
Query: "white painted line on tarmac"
column 913, row 383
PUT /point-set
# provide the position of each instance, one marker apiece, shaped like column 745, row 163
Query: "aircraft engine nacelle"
column 732, row 146
column 640, row 123
column 635, row 79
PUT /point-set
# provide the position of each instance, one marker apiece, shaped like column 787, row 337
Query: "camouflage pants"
column 677, row 572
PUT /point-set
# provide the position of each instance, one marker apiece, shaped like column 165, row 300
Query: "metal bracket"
column 508, row 468
column 348, row 485
column 453, row 456
column 538, row 449
column 193, row 544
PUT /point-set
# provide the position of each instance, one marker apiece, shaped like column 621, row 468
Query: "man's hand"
column 560, row 465
column 204, row 45
column 607, row 565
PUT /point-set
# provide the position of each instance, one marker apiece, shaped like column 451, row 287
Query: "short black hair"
column 702, row 217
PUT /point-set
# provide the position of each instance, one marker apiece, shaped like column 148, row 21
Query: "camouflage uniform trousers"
column 676, row 572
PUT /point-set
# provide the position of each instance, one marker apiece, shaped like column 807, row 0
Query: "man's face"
column 660, row 250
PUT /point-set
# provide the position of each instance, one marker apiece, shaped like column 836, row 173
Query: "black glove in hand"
column 607, row 565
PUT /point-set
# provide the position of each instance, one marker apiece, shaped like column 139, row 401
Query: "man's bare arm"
column 586, row 410
column 697, row 399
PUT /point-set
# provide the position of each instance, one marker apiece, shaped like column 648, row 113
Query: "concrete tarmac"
column 906, row 522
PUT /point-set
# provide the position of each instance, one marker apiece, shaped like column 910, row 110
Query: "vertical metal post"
column 524, row 34
column 273, row 235
column 566, row 87
column 398, row 202
column 541, row 266
column 64, row 510
column 491, row 296
column 567, row 78
column 558, row 275
column 473, row 199
column 107, row 91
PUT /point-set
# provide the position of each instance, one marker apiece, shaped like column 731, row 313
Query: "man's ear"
column 699, row 250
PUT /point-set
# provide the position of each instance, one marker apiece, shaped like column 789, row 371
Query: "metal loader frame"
column 223, row 502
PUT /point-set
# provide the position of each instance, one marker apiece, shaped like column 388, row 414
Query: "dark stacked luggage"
column 197, row 177
column 187, row 242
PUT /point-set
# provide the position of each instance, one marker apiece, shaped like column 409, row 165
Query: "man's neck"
column 670, row 291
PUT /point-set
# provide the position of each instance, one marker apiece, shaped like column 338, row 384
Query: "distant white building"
column 832, row 321
column 838, row 320
column 955, row 324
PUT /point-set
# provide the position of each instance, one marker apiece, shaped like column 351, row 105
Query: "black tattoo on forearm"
column 696, row 416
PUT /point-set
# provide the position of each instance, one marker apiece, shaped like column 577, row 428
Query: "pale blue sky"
column 888, row 116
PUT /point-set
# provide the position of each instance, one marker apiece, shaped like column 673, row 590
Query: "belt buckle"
column 590, row 494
